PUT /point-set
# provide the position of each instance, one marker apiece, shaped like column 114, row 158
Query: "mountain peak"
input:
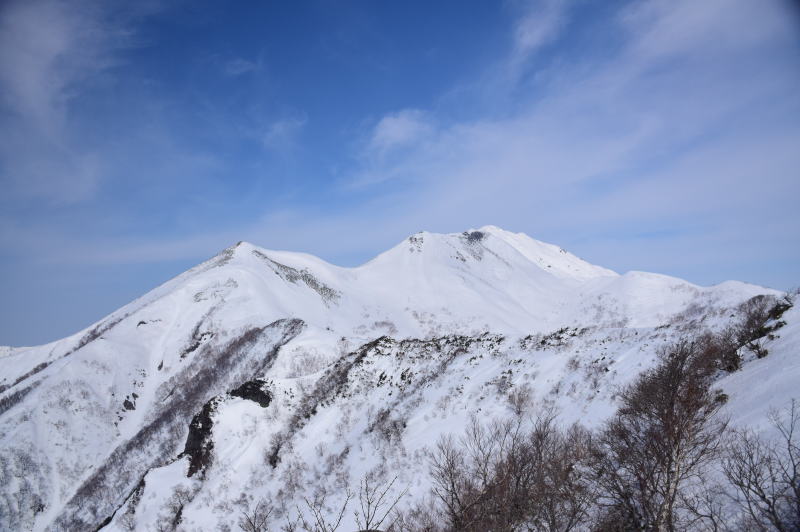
column 346, row 361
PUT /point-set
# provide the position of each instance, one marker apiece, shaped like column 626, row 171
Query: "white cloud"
column 689, row 117
column 50, row 52
column 667, row 27
column 281, row 135
column 697, row 136
column 400, row 129
column 49, row 49
column 540, row 25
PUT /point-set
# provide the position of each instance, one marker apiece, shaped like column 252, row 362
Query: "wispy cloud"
column 281, row 135
column 50, row 52
column 239, row 66
column 688, row 118
column 674, row 119
column 400, row 129
column 48, row 48
column 540, row 24
column 648, row 136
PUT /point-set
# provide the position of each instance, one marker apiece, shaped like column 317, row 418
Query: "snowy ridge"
column 363, row 368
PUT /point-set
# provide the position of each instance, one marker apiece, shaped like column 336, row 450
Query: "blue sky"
column 138, row 138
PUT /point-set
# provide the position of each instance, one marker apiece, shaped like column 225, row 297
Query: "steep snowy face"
column 223, row 384
column 551, row 258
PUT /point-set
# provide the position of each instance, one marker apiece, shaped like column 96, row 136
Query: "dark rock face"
column 254, row 390
column 199, row 444
column 474, row 237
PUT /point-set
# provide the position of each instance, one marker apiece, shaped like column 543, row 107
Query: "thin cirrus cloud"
column 539, row 25
column 396, row 130
column 687, row 118
column 608, row 144
column 238, row 66
column 655, row 135
column 50, row 53
column 282, row 134
column 46, row 51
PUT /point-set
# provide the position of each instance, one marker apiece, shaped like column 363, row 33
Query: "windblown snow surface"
column 275, row 375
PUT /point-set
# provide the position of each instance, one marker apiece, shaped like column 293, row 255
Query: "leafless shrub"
column 38, row 368
column 293, row 275
column 755, row 313
column 13, row 398
column 387, row 427
column 462, row 471
column 325, row 391
column 164, row 526
column 766, row 474
column 760, row 317
column 322, row 519
column 705, row 506
column 128, row 520
column 555, row 339
column 501, row 477
column 305, row 363
column 375, row 503
column 755, row 319
column 574, row 363
column 690, row 316
column 503, row 382
column 423, row 516
column 720, row 349
column 562, row 494
column 520, row 399
column 173, row 508
column 256, row 518
column 593, row 373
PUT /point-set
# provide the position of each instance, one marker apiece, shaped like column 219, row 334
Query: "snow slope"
column 363, row 367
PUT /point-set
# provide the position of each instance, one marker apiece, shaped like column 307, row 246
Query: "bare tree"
column 561, row 495
column 375, row 504
column 661, row 439
column 451, row 485
column 172, row 513
column 766, row 474
column 319, row 513
column 423, row 516
column 465, row 473
column 256, row 519
column 291, row 525
column 705, row 506
column 499, row 477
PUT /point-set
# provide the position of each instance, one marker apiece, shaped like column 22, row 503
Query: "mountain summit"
column 267, row 374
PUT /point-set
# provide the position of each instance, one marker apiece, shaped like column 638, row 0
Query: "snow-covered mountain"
column 274, row 375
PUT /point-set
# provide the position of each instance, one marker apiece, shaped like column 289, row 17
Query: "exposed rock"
column 254, row 390
column 199, row 444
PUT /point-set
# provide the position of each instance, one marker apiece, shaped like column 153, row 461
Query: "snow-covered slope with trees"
column 266, row 375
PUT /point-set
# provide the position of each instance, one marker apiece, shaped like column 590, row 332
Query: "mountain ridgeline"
column 474, row 381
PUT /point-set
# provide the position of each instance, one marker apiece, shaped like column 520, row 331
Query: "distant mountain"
column 274, row 375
